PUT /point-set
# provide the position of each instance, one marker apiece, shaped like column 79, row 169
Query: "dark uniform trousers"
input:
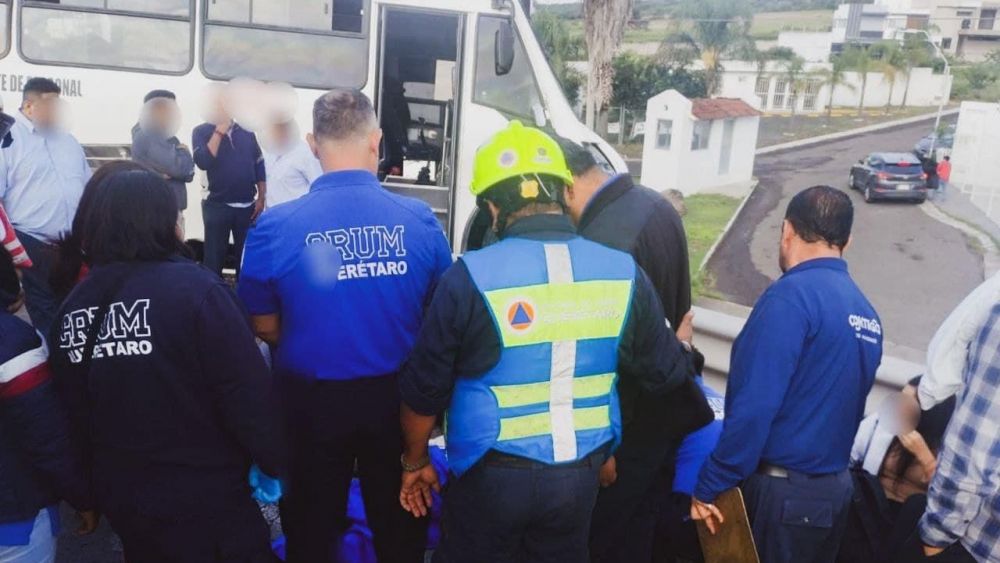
column 333, row 427
column 508, row 509
column 799, row 518
column 39, row 299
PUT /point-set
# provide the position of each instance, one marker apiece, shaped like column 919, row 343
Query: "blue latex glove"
column 266, row 489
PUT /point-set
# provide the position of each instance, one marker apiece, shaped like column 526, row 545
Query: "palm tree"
column 794, row 68
column 915, row 54
column 860, row 60
column 604, row 23
column 712, row 28
column 833, row 78
column 891, row 63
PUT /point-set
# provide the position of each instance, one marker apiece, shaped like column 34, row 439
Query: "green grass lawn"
column 707, row 215
column 766, row 25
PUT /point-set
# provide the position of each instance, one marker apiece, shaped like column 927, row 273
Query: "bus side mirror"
column 503, row 49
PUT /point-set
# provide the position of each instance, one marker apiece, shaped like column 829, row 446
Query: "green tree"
column 891, row 62
column 560, row 47
column 795, row 75
column 712, row 28
column 860, row 60
column 916, row 52
column 833, row 78
column 639, row 78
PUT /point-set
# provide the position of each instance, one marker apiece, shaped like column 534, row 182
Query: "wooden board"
column 733, row 542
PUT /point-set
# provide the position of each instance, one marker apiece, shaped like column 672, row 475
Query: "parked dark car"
column 945, row 141
column 889, row 175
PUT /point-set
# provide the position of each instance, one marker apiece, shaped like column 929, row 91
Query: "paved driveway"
column 913, row 268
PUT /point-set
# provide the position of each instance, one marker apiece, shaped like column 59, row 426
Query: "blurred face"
column 281, row 134
column 42, row 110
column 165, row 115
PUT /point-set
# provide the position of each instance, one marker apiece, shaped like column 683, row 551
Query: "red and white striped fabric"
column 24, row 372
column 9, row 239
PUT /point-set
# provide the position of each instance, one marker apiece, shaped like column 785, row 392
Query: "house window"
column 987, row 18
column 946, row 43
column 809, row 95
column 762, row 88
column 699, row 139
column 664, row 133
column 780, row 91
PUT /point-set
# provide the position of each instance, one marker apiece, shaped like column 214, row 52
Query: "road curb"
column 729, row 225
column 851, row 133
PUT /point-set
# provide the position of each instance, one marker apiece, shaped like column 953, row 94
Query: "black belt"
column 772, row 471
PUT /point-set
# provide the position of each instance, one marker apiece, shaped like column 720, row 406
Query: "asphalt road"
column 913, row 268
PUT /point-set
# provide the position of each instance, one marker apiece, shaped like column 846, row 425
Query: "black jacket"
column 36, row 465
column 177, row 401
column 638, row 220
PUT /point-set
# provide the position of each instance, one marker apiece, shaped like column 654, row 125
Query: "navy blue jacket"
column 37, row 468
column 177, row 403
column 459, row 339
column 800, row 371
column 233, row 173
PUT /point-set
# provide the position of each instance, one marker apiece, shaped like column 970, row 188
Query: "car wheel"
column 869, row 194
column 850, row 180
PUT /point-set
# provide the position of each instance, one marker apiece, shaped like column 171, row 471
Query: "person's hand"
column 266, row 489
column 88, row 522
column 415, row 492
column 223, row 128
column 930, row 551
column 685, row 330
column 914, row 442
column 708, row 512
column 14, row 307
column 609, row 472
column 258, row 208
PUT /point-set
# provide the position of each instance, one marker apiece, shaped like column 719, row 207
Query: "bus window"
column 140, row 35
column 309, row 43
column 515, row 93
column 4, row 28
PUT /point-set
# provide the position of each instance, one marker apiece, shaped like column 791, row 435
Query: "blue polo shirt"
column 349, row 267
column 800, row 371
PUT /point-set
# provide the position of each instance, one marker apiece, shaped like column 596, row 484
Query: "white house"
column 771, row 90
column 699, row 145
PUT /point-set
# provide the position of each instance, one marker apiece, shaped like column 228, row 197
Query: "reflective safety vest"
column 559, row 309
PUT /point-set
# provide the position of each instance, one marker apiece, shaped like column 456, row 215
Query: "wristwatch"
column 410, row 468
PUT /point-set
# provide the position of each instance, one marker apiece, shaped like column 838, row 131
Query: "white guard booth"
column 699, row 145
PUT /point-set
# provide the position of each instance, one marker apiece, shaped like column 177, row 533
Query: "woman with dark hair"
column 69, row 266
column 167, row 392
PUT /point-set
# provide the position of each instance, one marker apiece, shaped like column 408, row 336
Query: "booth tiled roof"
column 721, row 108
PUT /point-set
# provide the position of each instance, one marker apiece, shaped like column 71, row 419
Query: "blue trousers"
column 221, row 220
column 514, row 510
column 39, row 298
column 799, row 519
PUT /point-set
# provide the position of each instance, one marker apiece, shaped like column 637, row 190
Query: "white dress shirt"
column 290, row 172
column 42, row 175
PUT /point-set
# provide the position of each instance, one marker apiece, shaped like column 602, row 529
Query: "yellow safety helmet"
column 518, row 151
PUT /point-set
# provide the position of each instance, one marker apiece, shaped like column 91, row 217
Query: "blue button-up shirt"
column 349, row 267
column 963, row 504
column 290, row 172
column 801, row 369
column 42, row 175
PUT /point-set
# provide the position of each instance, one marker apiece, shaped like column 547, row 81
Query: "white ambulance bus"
column 461, row 69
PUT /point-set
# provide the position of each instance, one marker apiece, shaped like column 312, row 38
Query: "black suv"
column 889, row 175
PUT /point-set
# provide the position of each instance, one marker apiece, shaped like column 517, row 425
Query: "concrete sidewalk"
column 959, row 211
